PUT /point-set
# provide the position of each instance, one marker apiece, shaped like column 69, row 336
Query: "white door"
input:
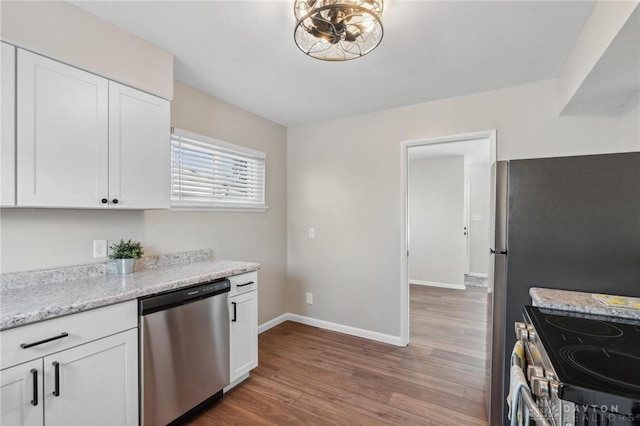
column 21, row 395
column 97, row 383
column 8, row 125
column 62, row 124
column 244, row 333
column 139, row 149
column 465, row 227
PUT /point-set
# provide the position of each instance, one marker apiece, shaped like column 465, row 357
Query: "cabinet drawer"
column 243, row 283
column 80, row 328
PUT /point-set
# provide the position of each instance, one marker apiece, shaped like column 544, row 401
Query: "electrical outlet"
column 309, row 298
column 312, row 232
column 99, row 249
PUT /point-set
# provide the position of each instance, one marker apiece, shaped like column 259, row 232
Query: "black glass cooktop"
column 596, row 358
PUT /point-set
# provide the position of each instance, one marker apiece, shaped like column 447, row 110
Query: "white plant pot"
column 125, row 266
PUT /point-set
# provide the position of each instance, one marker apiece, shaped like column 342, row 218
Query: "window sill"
column 220, row 209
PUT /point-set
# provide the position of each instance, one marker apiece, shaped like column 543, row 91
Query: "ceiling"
column 475, row 151
column 243, row 52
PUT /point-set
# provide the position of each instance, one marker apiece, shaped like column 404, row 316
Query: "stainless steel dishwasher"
column 184, row 343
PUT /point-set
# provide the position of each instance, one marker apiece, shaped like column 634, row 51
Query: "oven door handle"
column 534, row 410
column 525, row 394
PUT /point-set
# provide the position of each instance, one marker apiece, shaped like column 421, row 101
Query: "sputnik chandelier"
column 338, row 30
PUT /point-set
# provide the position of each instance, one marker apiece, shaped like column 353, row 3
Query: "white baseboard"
column 346, row 329
column 326, row 325
column 434, row 284
column 272, row 323
column 478, row 274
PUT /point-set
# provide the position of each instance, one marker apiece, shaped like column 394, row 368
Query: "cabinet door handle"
column 242, row 285
column 56, row 369
column 235, row 312
column 114, row 201
column 39, row 342
column 104, row 201
column 34, row 401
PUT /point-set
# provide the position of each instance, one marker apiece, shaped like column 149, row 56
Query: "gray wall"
column 435, row 220
column 344, row 179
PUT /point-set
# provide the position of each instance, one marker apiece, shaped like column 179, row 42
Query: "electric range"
column 583, row 369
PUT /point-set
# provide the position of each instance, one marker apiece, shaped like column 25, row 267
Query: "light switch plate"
column 312, row 232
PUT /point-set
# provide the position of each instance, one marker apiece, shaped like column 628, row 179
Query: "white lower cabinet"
column 21, row 394
column 97, row 383
column 243, row 308
column 91, row 383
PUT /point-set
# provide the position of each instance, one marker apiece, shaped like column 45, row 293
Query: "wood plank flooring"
column 317, row 377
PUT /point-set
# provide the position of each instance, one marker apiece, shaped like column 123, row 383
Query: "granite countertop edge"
column 29, row 305
column 576, row 301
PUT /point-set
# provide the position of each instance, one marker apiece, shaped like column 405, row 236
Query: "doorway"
column 466, row 254
column 448, row 222
column 441, row 163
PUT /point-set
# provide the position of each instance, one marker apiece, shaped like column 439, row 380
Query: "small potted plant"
column 125, row 254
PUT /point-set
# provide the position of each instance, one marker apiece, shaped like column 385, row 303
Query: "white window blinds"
column 208, row 173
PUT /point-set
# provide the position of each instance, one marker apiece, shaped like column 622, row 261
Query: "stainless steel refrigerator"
column 569, row 223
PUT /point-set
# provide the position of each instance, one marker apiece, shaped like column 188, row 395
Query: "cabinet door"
column 97, row 383
column 244, row 333
column 22, row 396
column 8, row 125
column 139, row 149
column 62, row 134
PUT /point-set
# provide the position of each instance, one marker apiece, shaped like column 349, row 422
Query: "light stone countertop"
column 576, row 301
column 45, row 300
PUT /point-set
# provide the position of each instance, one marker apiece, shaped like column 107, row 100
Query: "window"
column 208, row 173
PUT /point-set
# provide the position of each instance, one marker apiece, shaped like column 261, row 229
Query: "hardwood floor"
column 317, row 377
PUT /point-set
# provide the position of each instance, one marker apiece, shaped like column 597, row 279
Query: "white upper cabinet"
column 86, row 142
column 63, row 126
column 139, row 149
column 8, row 125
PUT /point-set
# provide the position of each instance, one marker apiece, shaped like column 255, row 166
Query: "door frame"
column 466, row 222
column 404, row 219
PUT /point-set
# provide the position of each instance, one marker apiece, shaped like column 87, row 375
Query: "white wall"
column 48, row 238
column 344, row 179
column 479, row 176
column 630, row 125
column 605, row 22
column 66, row 33
column 436, row 205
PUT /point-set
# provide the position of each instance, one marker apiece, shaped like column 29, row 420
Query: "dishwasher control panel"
column 205, row 289
column 156, row 302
